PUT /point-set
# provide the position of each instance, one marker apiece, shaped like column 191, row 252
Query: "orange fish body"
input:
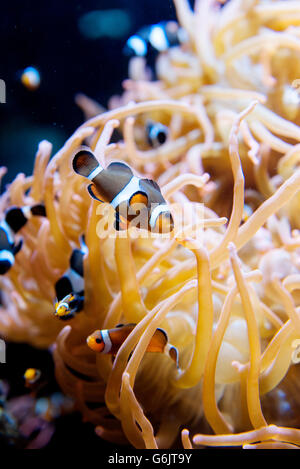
column 32, row 378
column 109, row 341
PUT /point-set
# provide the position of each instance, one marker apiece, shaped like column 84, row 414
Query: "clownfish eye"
column 98, row 341
column 161, row 136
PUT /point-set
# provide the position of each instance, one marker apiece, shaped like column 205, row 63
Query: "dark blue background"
column 46, row 35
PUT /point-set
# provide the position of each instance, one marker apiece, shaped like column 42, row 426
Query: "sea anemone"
column 225, row 285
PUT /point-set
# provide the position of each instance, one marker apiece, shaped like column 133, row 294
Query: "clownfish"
column 157, row 134
column 15, row 218
column 70, row 287
column 54, row 406
column 32, row 377
column 109, row 341
column 159, row 37
column 30, row 78
column 118, row 186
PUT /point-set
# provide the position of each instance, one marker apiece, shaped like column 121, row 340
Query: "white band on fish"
column 161, row 208
column 9, row 232
column 26, row 212
column 95, row 172
column 131, row 188
column 106, row 341
column 76, row 280
column 6, row 255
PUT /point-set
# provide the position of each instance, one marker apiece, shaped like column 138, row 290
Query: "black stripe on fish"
column 63, row 287
column 15, row 218
column 84, row 162
column 38, row 210
column 6, row 261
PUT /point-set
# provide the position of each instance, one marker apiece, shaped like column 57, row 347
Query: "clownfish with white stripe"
column 32, row 377
column 15, row 218
column 70, row 287
column 150, row 40
column 157, row 134
column 109, row 341
column 118, row 186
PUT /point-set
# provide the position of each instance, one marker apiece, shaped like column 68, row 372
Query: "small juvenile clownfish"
column 15, row 218
column 150, row 40
column 30, row 78
column 157, row 134
column 109, row 341
column 118, row 186
column 70, row 287
column 54, row 406
column 32, row 377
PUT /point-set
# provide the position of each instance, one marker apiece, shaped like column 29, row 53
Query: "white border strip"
column 106, row 340
column 161, row 208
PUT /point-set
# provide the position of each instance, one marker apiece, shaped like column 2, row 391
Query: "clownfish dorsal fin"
column 85, row 162
column 119, row 167
column 131, row 324
column 163, row 332
column 93, row 192
column 152, row 183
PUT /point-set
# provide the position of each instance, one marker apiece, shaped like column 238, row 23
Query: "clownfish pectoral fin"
column 119, row 168
column 18, row 247
column 85, row 162
column 93, row 192
column 138, row 198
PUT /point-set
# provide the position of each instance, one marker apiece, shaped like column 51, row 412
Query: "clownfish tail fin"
column 172, row 352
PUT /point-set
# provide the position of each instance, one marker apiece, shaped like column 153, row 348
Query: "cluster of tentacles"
column 225, row 285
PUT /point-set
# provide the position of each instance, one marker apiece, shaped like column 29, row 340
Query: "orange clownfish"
column 32, row 377
column 30, row 78
column 118, row 186
column 109, row 341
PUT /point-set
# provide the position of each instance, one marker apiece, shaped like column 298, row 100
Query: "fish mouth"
column 93, row 344
column 63, row 310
